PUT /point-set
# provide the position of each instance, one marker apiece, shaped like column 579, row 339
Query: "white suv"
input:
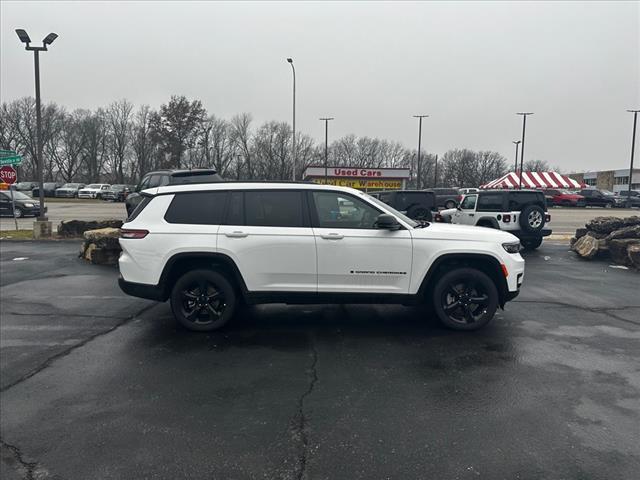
column 210, row 247
column 95, row 190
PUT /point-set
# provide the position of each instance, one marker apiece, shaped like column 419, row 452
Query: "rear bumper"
column 142, row 290
column 545, row 232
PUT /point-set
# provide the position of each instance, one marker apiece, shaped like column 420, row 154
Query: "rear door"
column 353, row 255
column 268, row 235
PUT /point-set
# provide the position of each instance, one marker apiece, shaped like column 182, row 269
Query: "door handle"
column 236, row 234
column 471, row 214
column 333, row 236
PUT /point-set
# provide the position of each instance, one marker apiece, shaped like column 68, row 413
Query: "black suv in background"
column 415, row 204
column 117, row 193
column 446, row 197
column 160, row 178
column 49, row 189
column 597, row 198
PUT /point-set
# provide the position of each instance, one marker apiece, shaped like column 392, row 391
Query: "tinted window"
column 235, row 211
column 517, row 201
column 337, row 210
column 404, row 200
column 386, row 197
column 145, row 201
column 273, row 208
column 158, row 180
column 469, row 202
column 199, row 208
column 490, row 202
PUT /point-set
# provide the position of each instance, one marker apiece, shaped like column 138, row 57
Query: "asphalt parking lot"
column 97, row 385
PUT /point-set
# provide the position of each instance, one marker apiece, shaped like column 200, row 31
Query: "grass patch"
column 16, row 235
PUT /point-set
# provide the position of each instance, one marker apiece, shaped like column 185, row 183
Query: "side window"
column 491, row 202
column 235, row 211
column 264, row 208
column 386, row 198
column 469, row 202
column 337, row 210
column 155, row 181
column 143, row 184
column 198, row 208
column 517, row 201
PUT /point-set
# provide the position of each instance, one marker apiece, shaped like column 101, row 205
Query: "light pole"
column 524, row 128
column 48, row 40
column 419, row 117
column 326, row 147
column 435, row 174
column 633, row 150
column 517, row 143
column 293, row 148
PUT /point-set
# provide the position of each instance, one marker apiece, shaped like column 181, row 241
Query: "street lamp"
column 517, row 143
column 524, row 127
column 293, row 147
column 326, row 147
column 633, row 149
column 419, row 117
column 48, row 40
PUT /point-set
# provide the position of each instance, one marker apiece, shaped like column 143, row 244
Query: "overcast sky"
column 372, row 66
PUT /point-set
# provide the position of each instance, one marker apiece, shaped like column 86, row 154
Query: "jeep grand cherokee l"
column 210, row 247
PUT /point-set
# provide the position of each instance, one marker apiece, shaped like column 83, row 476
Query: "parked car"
column 597, row 198
column 49, row 189
column 464, row 191
column 94, row 190
column 170, row 177
column 522, row 213
column 69, row 190
column 24, row 186
column 212, row 247
column 117, row 193
column 446, row 197
column 415, row 204
column 25, row 206
column 563, row 198
column 623, row 199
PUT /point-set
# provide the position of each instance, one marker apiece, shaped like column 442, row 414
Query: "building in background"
column 367, row 179
column 612, row 180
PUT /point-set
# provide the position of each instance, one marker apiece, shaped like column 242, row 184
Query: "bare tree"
column 94, row 130
column 142, row 141
column 119, row 118
column 68, row 152
column 536, row 166
column 241, row 138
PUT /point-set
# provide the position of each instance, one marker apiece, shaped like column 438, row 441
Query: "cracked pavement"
column 97, row 385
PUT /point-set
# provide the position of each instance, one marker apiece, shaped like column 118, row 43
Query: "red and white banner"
column 533, row 180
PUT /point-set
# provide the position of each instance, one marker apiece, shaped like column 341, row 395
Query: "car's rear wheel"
column 531, row 243
column 418, row 212
column 203, row 300
column 450, row 204
column 17, row 212
column 465, row 299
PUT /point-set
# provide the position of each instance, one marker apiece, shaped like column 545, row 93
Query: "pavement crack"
column 66, row 352
column 606, row 310
column 301, row 418
column 28, row 468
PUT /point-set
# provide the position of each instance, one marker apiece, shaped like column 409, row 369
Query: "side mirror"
column 387, row 222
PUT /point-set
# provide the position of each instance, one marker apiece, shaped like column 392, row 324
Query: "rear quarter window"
column 490, row 202
column 197, row 208
column 517, row 201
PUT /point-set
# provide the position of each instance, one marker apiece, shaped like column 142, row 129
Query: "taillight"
column 131, row 234
column 506, row 218
column 547, row 218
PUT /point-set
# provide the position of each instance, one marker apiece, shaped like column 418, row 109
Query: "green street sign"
column 8, row 157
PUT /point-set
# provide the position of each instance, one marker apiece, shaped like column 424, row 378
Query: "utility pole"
column 293, row 147
column 435, row 174
column 326, row 147
column 633, row 149
column 517, row 143
column 419, row 117
column 524, row 128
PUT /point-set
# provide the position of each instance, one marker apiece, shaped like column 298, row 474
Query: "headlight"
column 29, row 205
column 511, row 247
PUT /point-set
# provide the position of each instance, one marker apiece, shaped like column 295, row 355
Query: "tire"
column 419, row 212
column 532, row 219
column 608, row 205
column 450, row 204
column 531, row 243
column 212, row 313
column 18, row 212
column 453, row 297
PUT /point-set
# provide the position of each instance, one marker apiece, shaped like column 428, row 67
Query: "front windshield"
column 392, row 210
column 21, row 196
column 70, row 185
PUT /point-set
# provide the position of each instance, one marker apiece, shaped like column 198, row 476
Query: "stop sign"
column 8, row 174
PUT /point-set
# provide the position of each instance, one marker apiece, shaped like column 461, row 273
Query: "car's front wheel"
column 465, row 299
column 450, row 204
column 17, row 212
column 203, row 300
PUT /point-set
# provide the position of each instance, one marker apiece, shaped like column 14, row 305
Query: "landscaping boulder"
column 101, row 246
column 633, row 252
column 632, row 231
column 586, row 246
column 76, row 228
column 609, row 224
column 618, row 249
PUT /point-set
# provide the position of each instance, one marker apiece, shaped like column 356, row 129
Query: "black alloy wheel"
column 203, row 300
column 465, row 299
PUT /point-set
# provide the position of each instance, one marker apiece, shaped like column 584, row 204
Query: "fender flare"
column 494, row 223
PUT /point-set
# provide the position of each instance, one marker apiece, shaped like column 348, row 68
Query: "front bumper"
column 65, row 194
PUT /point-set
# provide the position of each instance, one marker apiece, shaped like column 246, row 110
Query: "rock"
column 101, row 246
column 581, row 232
column 597, row 235
column 572, row 240
column 618, row 249
column 633, row 252
column 87, row 251
column 75, row 228
column 103, row 256
column 605, row 224
column 632, row 231
column 586, row 247
column 634, row 220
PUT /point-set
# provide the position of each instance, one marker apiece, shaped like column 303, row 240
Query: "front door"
column 5, row 204
column 353, row 255
column 268, row 235
column 466, row 214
